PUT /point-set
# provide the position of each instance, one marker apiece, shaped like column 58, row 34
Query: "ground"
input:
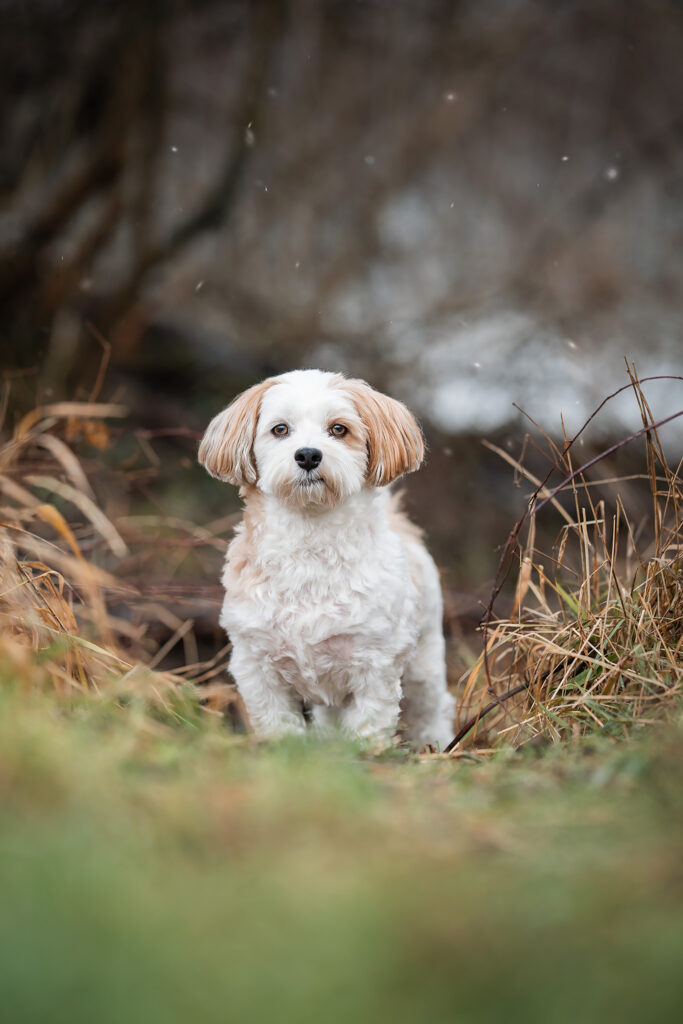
column 154, row 867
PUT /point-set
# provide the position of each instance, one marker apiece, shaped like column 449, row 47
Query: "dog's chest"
column 322, row 616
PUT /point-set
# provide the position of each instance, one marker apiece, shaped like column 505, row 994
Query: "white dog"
column 332, row 601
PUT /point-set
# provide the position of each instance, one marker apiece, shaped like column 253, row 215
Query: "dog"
column 332, row 602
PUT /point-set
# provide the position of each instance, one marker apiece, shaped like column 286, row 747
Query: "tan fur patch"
column 399, row 522
column 226, row 450
column 411, row 534
column 241, row 573
column 394, row 440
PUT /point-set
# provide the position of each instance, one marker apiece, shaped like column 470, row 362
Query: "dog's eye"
column 338, row 430
column 280, row 430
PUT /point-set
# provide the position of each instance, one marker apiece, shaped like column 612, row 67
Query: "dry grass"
column 72, row 619
column 594, row 638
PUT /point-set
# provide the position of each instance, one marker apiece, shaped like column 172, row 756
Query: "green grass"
column 156, row 868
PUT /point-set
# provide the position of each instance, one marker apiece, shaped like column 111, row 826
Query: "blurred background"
column 470, row 203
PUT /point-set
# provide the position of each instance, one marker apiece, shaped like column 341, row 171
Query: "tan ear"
column 395, row 444
column 226, row 450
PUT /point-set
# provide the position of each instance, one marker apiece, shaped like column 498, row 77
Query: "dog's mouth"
column 311, row 481
column 309, row 490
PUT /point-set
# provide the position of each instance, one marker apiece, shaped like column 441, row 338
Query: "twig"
column 475, row 719
column 104, row 361
column 602, row 455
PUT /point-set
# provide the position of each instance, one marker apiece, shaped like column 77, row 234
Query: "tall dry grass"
column 71, row 615
column 595, row 635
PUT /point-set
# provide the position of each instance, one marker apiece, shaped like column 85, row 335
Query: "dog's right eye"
column 280, row 430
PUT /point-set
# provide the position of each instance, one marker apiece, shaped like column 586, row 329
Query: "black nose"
column 308, row 458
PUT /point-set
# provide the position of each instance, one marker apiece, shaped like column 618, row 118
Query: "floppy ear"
column 226, row 450
column 395, row 444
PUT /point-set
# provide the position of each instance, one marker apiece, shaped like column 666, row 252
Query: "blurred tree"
column 83, row 166
column 375, row 182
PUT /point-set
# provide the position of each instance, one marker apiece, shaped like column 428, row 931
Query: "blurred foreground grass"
column 156, row 867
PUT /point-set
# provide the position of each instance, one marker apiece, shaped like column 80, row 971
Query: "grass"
column 594, row 640
column 157, row 866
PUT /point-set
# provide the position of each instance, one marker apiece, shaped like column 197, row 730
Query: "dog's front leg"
column 373, row 711
column 272, row 707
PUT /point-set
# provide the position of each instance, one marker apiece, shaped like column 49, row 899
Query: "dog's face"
column 310, row 442
column 312, row 438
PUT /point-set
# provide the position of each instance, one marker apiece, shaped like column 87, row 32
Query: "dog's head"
column 312, row 438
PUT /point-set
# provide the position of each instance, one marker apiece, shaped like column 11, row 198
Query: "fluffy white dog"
column 332, row 602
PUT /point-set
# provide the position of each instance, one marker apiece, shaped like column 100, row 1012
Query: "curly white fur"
column 332, row 600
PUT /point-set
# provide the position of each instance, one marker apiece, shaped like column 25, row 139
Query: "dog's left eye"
column 338, row 430
column 280, row 430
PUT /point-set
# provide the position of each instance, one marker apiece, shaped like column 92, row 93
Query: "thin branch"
column 475, row 719
column 602, row 455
